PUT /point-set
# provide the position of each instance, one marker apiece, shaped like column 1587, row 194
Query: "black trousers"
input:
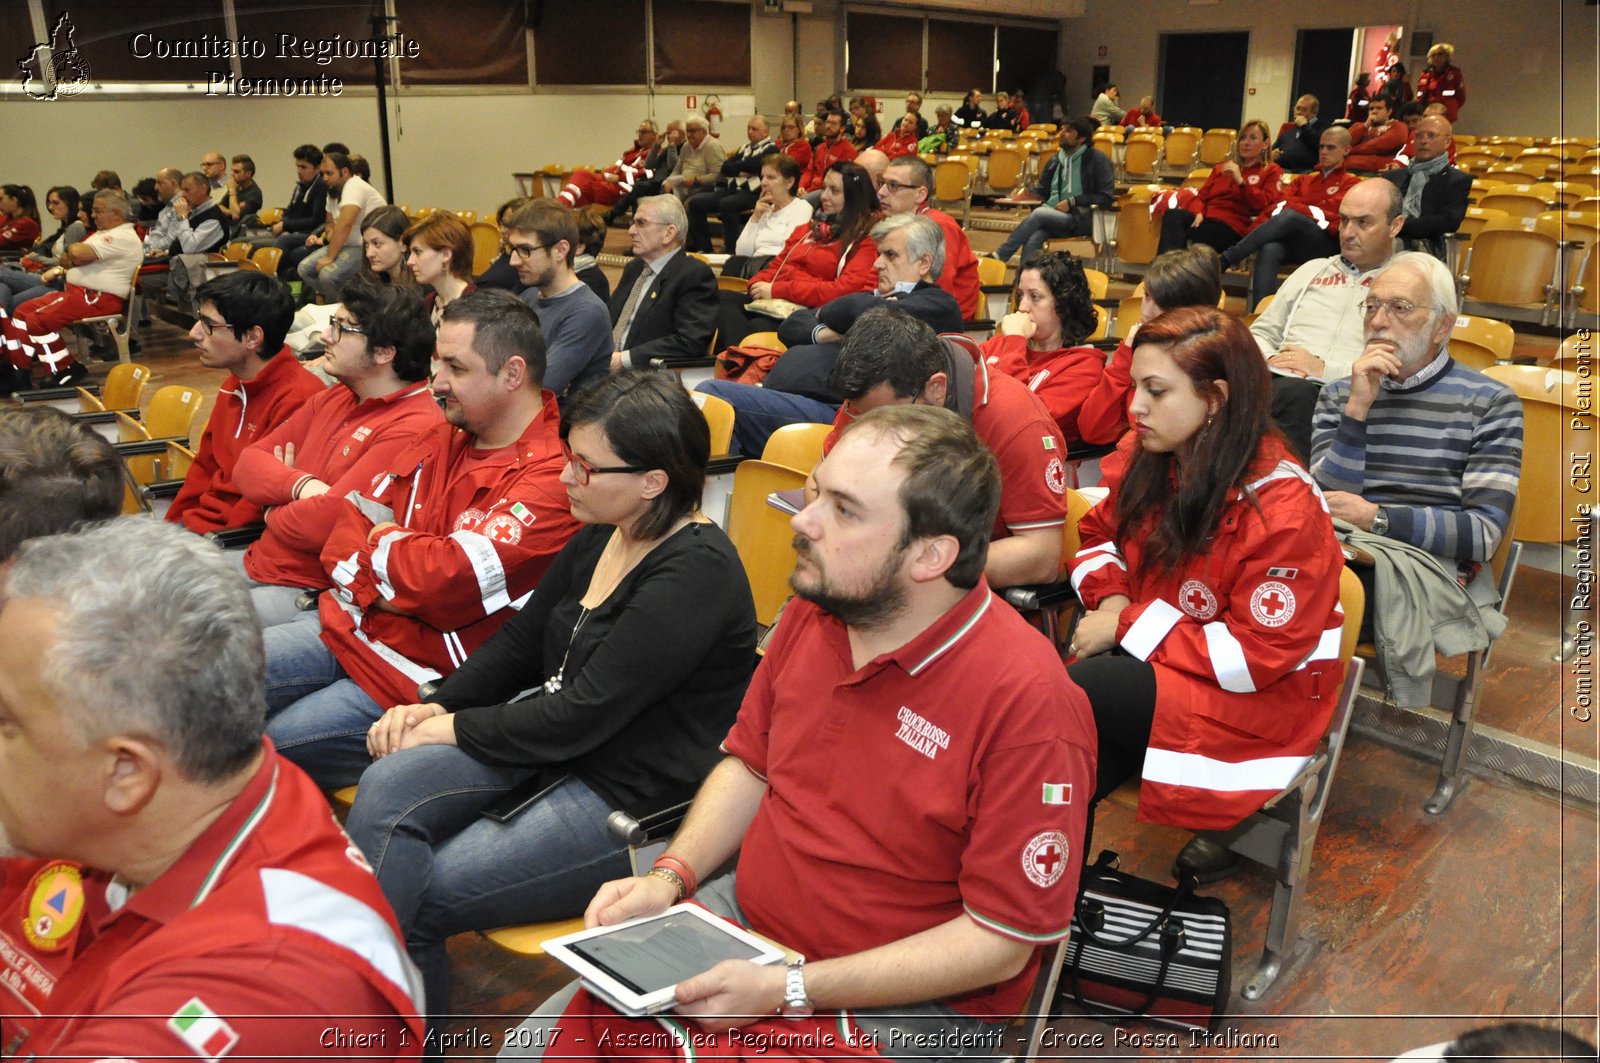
column 1122, row 693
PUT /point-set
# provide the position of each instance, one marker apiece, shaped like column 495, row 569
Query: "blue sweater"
column 1441, row 453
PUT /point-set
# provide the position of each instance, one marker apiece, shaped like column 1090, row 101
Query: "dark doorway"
column 1322, row 68
column 1202, row 79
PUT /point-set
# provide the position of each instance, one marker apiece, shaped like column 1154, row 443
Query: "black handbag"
column 1143, row 948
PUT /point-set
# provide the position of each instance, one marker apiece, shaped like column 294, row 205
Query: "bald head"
column 874, row 162
column 1431, row 138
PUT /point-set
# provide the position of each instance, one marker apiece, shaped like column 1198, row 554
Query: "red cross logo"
column 1272, row 603
column 1197, row 600
column 1044, row 858
column 1047, row 858
column 500, row 534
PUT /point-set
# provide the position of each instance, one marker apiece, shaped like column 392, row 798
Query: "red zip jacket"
column 1103, row 417
column 823, row 156
column 344, row 444
column 1223, row 199
column 245, row 411
column 809, row 272
column 1448, row 87
column 477, row 529
column 22, row 232
column 1244, row 639
column 1317, row 196
column 1376, row 151
column 1061, row 378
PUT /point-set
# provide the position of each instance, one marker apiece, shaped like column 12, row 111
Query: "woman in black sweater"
column 613, row 687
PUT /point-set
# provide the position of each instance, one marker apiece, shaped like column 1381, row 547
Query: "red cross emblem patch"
column 1044, row 858
column 503, row 529
column 1196, row 599
column 1272, row 604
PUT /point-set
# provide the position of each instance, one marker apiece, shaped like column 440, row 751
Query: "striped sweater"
column 1441, row 452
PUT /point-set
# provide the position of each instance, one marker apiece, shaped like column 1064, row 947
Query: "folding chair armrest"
column 719, row 464
column 704, row 362
column 55, row 394
column 1030, row 596
column 243, row 535
column 1354, row 555
column 164, row 488
column 651, row 819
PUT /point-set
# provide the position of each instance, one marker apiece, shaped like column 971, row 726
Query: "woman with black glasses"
column 631, row 660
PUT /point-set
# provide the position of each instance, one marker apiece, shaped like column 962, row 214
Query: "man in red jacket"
column 1377, row 140
column 379, row 346
column 445, row 542
column 170, row 887
column 240, row 328
column 833, row 147
column 1302, row 227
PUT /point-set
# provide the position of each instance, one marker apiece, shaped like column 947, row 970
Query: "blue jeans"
column 1045, row 223
column 1287, row 237
column 759, row 412
column 316, row 714
column 447, row 870
column 330, row 282
column 17, row 286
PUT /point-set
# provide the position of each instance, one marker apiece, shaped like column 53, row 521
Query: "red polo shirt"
column 926, row 785
column 1024, row 439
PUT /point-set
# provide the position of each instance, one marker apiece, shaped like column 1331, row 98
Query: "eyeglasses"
column 1396, row 308
column 523, row 250
column 896, row 186
column 211, row 326
column 337, row 328
column 582, row 470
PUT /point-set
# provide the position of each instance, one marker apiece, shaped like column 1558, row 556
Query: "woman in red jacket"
column 1210, row 652
column 830, row 256
column 1040, row 342
column 1236, row 192
column 19, row 218
column 1442, row 82
column 792, row 141
column 902, row 140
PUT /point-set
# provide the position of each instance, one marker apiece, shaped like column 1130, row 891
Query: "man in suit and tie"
column 665, row 305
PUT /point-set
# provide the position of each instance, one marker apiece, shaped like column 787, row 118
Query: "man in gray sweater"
column 542, row 240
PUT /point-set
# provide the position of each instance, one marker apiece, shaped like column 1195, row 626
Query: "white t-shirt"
column 767, row 236
column 361, row 195
column 120, row 252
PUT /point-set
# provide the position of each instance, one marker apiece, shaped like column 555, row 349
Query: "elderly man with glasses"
column 665, row 305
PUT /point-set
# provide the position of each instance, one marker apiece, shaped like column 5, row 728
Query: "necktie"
column 624, row 319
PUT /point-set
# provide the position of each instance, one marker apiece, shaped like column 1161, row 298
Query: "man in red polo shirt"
column 379, row 347
column 891, row 358
column 438, row 551
column 907, row 816
column 169, row 886
column 833, row 147
column 906, row 189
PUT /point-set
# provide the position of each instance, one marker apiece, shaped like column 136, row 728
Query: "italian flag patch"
column 203, row 1030
column 523, row 513
column 1058, row 793
column 1049, row 442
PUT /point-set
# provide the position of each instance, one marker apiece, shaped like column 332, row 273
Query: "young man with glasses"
column 907, row 188
column 542, row 242
column 239, row 329
column 440, row 547
column 379, row 344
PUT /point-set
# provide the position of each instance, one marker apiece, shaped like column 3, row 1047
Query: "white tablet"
column 635, row 965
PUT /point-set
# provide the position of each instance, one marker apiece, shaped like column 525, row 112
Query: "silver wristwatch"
column 796, row 1005
column 1380, row 522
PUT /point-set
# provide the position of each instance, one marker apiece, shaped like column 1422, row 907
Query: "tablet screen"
column 662, row 952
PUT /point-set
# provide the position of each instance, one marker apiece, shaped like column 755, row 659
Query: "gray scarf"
column 1411, row 205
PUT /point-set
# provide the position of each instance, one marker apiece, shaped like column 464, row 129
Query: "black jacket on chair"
column 679, row 314
column 1444, row 204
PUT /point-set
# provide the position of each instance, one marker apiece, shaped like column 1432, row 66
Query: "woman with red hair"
column 1210, row 649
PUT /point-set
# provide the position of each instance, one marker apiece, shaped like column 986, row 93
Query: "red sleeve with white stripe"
column 1099, row 570
column 450, row 581
column 1278, row 607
